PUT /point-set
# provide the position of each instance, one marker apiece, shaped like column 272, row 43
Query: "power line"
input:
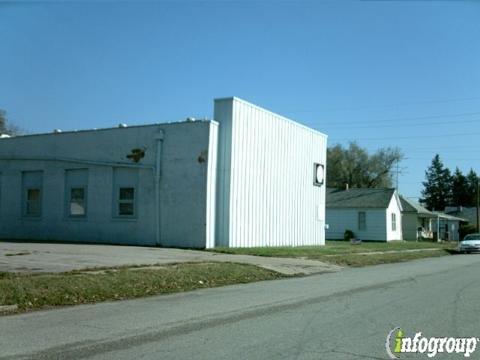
column 401, row 125
column 414, row 118
column 394, row 105
column 410, row 137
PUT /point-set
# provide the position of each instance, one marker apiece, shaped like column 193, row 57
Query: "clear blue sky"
column 384, row 73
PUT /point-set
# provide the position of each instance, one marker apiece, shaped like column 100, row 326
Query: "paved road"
column 55, row 257
column 342, row 315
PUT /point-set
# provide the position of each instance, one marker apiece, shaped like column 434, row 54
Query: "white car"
column 470, row 243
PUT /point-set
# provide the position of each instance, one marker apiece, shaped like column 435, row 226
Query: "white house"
column 247, row 178
column 371, row 214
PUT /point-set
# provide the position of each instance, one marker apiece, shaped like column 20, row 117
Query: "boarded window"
column 362, row 220
column 394, row 222
column 76, row 182
column 125, row 193
column 32, row 187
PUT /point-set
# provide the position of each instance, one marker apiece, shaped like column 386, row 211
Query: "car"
column 470, row 243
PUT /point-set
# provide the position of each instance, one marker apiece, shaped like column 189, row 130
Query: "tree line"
column 355, row 166
column 443, row 188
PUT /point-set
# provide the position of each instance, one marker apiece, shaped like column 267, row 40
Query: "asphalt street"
column 341, row 315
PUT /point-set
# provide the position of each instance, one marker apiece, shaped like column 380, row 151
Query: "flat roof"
column 118, row 127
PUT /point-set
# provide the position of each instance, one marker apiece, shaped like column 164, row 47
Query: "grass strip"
column 358, row 260
column 346, row 254
column 37, row 291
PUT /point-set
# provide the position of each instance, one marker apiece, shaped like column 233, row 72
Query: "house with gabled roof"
column 419, row 223
column 371, row 214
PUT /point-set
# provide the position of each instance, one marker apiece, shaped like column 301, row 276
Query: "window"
column 394, row 222
column 362, row 220
column 76, row 182
column 125, row 193
column 77, row 202
column 34, row 202
column 32, row 184
column 126, row 201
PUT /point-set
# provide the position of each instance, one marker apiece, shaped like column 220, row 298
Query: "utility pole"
column 478, row 205
column 397, row 175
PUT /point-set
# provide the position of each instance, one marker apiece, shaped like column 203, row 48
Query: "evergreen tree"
column 461, row 195
column 437, row 190
column 472, row 183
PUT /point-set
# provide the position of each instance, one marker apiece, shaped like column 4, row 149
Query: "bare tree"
column 357, row 168
column 6, row 127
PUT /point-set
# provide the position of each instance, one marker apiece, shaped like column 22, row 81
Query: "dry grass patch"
column 37, row 291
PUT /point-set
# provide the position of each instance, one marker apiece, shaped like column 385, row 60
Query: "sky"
column 382, row 73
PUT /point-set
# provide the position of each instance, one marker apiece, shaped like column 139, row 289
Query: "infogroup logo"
column 397, row 343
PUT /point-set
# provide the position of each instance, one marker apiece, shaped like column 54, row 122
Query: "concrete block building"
column 247, row 178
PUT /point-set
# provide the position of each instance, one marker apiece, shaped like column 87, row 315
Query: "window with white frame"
column 362, row 220
column 394, row 222
column 125, row 192
column 32, row 187
column 76, row 182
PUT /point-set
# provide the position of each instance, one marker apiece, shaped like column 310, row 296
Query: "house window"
column 126, row 201
column 32, row 184
column 125, row 182
column 76, row 185
column 362, row 220
column 394, row 222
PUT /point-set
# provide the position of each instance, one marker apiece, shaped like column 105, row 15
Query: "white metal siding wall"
column 211, row 185
column 272, row 200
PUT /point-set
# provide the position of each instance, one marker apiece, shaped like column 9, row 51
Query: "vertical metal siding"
column 271, row 200
column 211, row 185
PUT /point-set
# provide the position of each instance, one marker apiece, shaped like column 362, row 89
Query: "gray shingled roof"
column 414, row 207
column 359, row 198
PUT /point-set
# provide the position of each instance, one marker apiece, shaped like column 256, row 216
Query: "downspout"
column 159, row 140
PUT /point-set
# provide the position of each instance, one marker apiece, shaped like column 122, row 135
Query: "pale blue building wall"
column 185, row 173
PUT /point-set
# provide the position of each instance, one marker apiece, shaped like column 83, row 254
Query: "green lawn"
column 344, row 253
column 38, row 291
